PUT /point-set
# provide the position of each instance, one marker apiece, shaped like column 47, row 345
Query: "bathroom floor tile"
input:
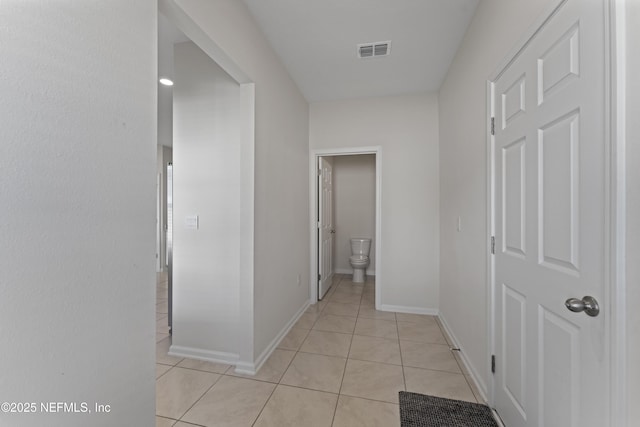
column 368, row 299
column 162, row 307
column 356, row 412
column 376, row 328
column 350, row 288
column 162, row 350
column 179, row 389
column 231, row 402
column 422, row 332
column 372, row 380
column 428, row 356
column 438, row 383
column 162, row 326
column 327, row 343
column 164, row 422
column 371, row 313
column 323, row 304
column 292, row 406
column 340, row 309
column 160, row 337
column 416, row 318
column 345, row 298
column 307, row 320
column 371, row 305
column 375, row 349
column 294, row 339
column 161, row 369
column 331, row 323
column 314, row 308
column 347, row 281
column 316, row 372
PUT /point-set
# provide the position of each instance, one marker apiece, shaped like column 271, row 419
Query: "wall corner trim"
column 249, row 368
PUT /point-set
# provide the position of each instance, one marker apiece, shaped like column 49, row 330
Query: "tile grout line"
column 282, row 376
column 200, row 398
column 265, row 404
column 404, row 378
column 344, row 372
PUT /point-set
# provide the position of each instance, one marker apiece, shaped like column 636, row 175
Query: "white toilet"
column 359, row 258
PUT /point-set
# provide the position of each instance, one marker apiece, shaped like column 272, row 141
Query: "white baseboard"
column 206, row 355
column 252, row 368
column 481, row 386
column 410, row 310
column 349, row 271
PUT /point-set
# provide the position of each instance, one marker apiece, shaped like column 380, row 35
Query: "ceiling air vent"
column 369, row 50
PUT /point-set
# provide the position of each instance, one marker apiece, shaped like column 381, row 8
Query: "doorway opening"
column 210, row 114
column 345, row 203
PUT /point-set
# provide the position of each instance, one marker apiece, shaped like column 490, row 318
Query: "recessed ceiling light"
column 165, row 81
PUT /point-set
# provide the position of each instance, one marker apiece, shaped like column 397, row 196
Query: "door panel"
column 513, row 198
column 325, row 227
column 514, row 356
column 559, row 383
column 549, row 206
column 558, row 190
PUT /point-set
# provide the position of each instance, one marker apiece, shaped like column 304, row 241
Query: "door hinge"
column 493, row 125
column 493, row 363
column 319, row 277
column 319, row 172
column 493, row 245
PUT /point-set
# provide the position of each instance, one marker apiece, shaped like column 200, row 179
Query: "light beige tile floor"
column 341, row 365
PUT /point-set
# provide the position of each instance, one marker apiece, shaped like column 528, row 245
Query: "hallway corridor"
column 342, row 364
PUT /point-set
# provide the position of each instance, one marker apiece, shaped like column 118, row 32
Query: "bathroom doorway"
column 345, row 204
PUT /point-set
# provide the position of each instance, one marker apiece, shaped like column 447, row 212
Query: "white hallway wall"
column 406, row 127
column 354, row 184
column 633, row 210
column 207, row 182
column 281, row 238
column 77, row 262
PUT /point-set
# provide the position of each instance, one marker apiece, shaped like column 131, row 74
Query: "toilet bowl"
column 359, row 258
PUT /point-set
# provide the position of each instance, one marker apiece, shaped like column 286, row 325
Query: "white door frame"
column 313, row 222
column 615, row 115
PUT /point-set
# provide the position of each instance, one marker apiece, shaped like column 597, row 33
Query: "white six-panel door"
column 325, row 227
column 549, row 213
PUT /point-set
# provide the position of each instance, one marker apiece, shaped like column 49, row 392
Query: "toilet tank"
column 360, row 246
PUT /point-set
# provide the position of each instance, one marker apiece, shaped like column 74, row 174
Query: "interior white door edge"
column 326, row 226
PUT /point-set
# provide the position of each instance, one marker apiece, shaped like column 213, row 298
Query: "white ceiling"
column 317, row 39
